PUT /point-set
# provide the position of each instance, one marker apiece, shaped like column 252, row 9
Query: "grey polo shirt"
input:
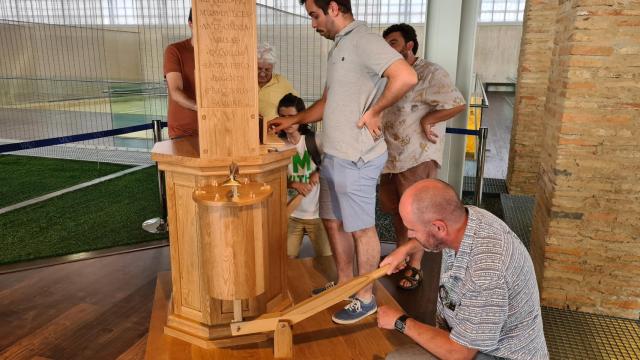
column 355, row 66
column 490, row 299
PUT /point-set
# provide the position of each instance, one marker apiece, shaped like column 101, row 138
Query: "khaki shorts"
column 317, row 235
column 392, row 186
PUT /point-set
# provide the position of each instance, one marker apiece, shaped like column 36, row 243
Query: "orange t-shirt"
column 179, row 57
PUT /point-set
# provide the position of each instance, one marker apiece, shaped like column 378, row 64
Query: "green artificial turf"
column 100, row 216
column 26, row 177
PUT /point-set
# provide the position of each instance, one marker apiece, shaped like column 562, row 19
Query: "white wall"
column 497, row 51
column 451, row 33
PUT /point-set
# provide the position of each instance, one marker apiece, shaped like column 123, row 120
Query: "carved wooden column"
column 227, row 98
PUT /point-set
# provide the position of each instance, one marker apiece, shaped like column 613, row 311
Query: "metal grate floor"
column 518, row 214
column 384, row 225
column 577, row 335
column 490, row 186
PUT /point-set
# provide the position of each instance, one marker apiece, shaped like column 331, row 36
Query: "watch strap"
column 401, row 323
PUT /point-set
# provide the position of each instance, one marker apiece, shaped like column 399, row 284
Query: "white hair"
column 266, row 53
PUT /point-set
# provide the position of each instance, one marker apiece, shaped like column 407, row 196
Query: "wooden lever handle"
column 293, row 204
column 310, row 306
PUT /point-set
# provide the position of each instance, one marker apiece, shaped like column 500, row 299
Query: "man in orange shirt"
column 179, row 71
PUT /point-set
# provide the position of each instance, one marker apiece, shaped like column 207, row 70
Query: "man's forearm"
column 401, row 78
column 437, row 116
column 413, row 247
column 183, row 100
column 437, row 341
column 313, row 113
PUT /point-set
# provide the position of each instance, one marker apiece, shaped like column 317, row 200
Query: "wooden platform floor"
column 100, row 308
column 93, row 309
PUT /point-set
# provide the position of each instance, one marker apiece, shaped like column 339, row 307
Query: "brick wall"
column 533, row 75
column 586, row 229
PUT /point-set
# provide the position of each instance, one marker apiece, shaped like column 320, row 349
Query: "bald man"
column 488, row 302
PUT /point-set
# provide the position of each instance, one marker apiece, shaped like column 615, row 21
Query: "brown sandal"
column 414, row 278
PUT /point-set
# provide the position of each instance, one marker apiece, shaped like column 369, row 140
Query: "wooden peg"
column 283, row 341
column 237, row 310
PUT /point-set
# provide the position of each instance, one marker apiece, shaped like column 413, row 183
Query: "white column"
column 451, row 35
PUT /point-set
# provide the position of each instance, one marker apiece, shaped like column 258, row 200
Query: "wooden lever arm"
column 309, row 307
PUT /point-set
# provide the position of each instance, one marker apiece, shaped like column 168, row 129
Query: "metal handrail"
column 481, row 150
column 485, row 99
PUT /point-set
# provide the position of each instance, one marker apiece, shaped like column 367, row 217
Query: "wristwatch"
column 401, row 323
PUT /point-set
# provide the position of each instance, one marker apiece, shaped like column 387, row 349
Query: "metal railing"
column 158, row 224
column 481, row 134
column 478, row 104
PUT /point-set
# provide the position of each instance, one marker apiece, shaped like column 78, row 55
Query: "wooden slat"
column 310, row 306
column 226, row 78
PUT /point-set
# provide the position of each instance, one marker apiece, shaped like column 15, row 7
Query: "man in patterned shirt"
column 414, row 130
column 488, row 303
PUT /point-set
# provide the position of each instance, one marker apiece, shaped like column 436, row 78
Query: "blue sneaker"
column 355, row 311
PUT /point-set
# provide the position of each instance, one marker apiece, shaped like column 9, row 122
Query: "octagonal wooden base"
column 314, row 338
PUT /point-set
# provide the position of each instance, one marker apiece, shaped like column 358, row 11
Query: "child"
column 303, row 177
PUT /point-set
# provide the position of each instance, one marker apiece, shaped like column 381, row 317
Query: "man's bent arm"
column 437, row 341
column 176, row 92
column 401, row 78
column 437, row 116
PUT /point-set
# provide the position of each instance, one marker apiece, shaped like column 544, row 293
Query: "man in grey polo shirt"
column 364, row 77
column 488, row 303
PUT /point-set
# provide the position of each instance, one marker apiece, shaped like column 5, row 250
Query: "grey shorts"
column 348, row 191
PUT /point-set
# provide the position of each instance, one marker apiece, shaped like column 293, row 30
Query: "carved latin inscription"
column 226, row 75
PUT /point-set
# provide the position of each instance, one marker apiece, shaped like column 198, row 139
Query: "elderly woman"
column 272, row 87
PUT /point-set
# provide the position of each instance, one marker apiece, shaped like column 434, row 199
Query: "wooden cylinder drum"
column 233, row 236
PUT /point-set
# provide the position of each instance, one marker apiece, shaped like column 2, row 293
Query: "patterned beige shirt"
column 406, row 142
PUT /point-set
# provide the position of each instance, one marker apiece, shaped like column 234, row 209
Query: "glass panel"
column 513, row 5
column 487, row 5
column 486, row 17
column 499, row 5
column 498, row 17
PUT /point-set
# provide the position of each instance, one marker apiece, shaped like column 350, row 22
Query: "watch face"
column 399, row 325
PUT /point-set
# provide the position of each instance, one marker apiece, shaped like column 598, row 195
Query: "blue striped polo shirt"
column 489, row 296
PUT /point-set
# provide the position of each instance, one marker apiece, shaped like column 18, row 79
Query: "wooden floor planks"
column 93, row 309
column 101, row 308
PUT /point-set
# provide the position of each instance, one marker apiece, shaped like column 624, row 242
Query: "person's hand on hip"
column 372, row 121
